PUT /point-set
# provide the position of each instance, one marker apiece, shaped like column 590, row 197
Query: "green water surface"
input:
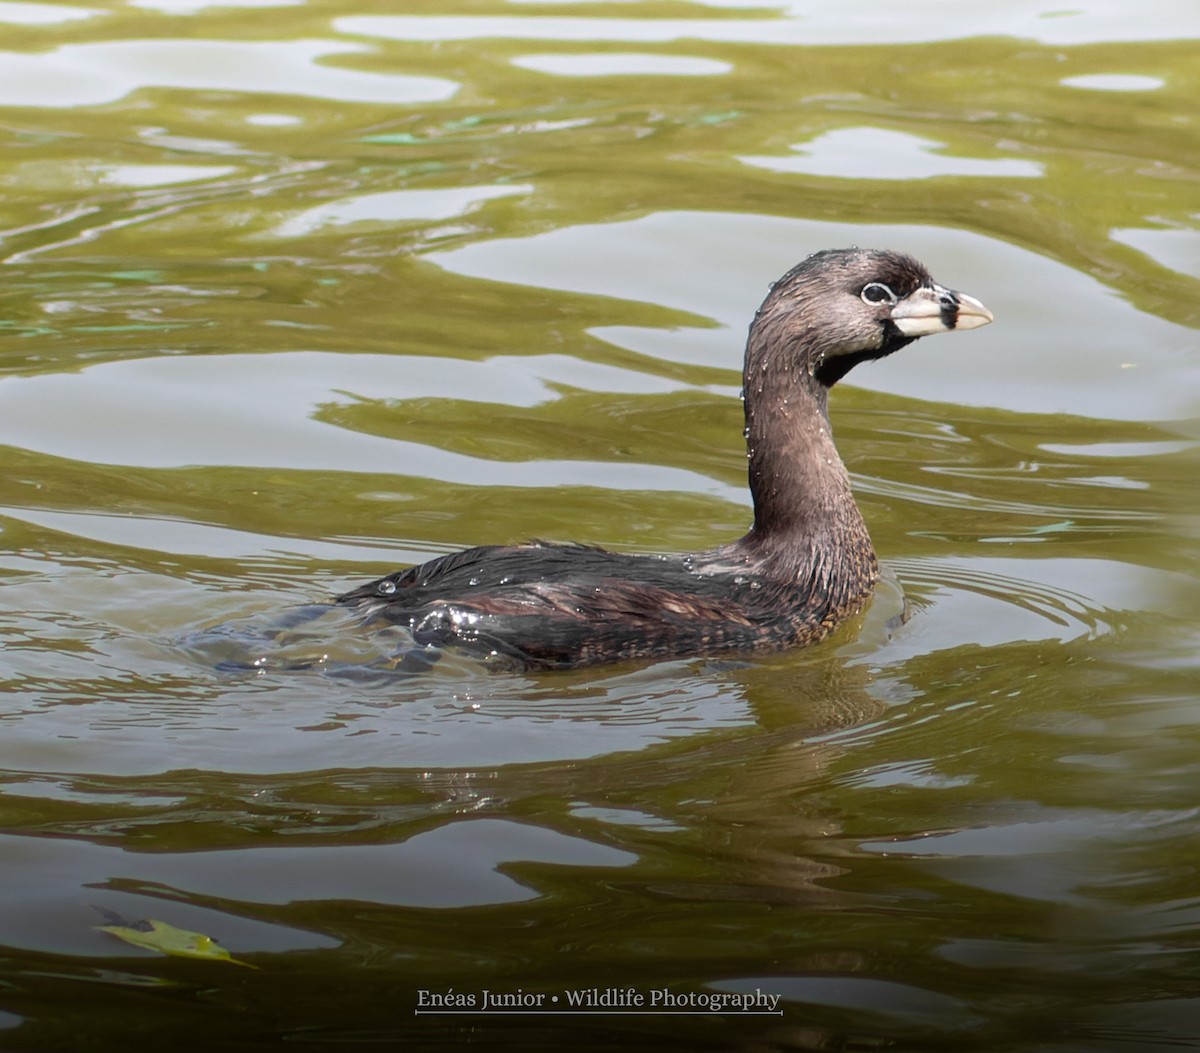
column 296, row 292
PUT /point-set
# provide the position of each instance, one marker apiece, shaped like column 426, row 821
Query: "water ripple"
column 93, row 74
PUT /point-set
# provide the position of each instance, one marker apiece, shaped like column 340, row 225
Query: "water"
column 300, row 292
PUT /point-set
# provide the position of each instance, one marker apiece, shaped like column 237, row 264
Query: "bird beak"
column 933, row 309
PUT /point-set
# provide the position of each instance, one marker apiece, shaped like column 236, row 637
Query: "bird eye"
column 877, row 292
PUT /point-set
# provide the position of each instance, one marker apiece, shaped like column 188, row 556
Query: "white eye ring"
column 877, row 293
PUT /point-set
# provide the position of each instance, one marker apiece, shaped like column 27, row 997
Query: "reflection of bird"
column 805, row 565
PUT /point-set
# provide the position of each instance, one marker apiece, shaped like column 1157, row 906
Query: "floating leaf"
column 166, row 939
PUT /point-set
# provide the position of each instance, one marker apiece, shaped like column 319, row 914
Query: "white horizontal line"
column 598, row 1012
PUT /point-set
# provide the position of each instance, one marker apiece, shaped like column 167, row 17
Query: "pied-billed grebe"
column 805, row 565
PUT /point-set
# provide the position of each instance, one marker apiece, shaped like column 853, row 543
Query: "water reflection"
column 299, row 411
column 876, row 153
column 1177, row 250
column 614, row 64
column 394, row 205
column 158, row 175
column 93, row 74
column 297, row 293
column 1113, row 82
column 32, row 14
column 193, row 7
column 798, row 23
column 1120, row 363
column 453, row 865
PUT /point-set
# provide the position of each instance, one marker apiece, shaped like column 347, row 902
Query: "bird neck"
column 803, row 503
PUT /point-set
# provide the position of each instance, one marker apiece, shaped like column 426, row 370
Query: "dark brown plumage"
column 805, row 565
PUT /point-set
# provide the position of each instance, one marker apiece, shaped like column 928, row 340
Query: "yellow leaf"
column 166, row 939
